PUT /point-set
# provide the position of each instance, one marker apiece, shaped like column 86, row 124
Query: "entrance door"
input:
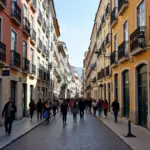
column 13, row 91
column 142, row 95
column 24, row 99
column 126, row 94
column 31, row 92
column 109, row 100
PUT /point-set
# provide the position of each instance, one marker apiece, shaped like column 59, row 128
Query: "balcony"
column 108, row 10
column 135, row 43
column 103, row 46
column 39, row 45
column 108, row 39
column 44, row 25
column 99, row 75
column 114, row 16
column 44, row 50
column 3, row 4
column 32, row 69
column 114, row 58
column 94, row 80
column 33, row 5
column 15, row 59
column 123, row 51
column 99, row 29
column 122, row 6
column 26, row 26
column 108, row 71
column 40, row 73
column 16, row 13
column 47, row 32
column 39, row 18
column 33, row 36
column 2, row 52
column 26, row 65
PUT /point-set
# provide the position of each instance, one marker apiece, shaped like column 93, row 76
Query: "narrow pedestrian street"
column 87, row 134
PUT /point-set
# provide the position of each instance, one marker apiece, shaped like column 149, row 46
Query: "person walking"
column 115, row 107
column 94, row 104
column 74, row 111
column 39, row 109
column 32, row 108
column 54, row 107
column 81, row 105
column 70, row 104
column 99, row 108
column 90, row 105
column 64, row 110
column 46, row 111
column 9, row 115
column 105, row 107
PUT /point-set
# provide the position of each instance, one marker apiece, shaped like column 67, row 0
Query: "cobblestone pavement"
column 87, row 134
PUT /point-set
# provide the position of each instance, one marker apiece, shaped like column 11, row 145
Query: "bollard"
column 129, row 130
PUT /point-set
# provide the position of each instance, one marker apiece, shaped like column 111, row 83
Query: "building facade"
column 123, row 60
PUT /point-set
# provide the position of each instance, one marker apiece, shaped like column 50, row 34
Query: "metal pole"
column 129, row 130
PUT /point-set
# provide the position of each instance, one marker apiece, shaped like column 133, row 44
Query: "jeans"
column 105, row 112
column 39, row 115
column 115, row 115
column 8, row 125
column 81, row 113
column 64, row 117
column 99, row 112
column 31, row 114
column 75, row 117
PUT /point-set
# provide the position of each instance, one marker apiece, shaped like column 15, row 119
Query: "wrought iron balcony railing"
column 99, row 75
column 114, row 57
column 103, row 20
column 26, row 26
column 108, row 9
column 107, row 71
column 33, row 35
column 108, row 39
column 39, row 44
column 2, row 52
column 26, row 65
column 33, row 4
column 33, row 69
column 39, row 18
column 40, row 73
column 44, row 50
column 15, row 59
column 122, row 4
column 114, row 15
column 94, row 80
column 123, row 50
column 16, row 12
column 134, row 38
column 44, row 25
column 3, row 4
column 103, row 46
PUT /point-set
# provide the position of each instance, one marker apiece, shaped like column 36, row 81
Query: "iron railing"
column 15, row 59
column 2, row 52
column 123, row 50
column 33, row 35
column 121, row 3
column 26, row 26
column 25, row 64
column 114, row 15
column 114, row 57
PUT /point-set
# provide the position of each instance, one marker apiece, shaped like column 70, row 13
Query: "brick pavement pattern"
column 87, row 134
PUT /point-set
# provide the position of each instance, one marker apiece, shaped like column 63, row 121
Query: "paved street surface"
column 87, row 134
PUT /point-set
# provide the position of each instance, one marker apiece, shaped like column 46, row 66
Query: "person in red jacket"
column 105, row 107
column 70, row 104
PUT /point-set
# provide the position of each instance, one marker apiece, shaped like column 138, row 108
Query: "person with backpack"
column 115, row 107
column 39, row 109
column 74, row 110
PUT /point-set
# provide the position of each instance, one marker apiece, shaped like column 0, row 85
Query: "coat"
column 39, row 106
column 105, row 106
column 32, row 106
column 13, row 111
column 115, row 106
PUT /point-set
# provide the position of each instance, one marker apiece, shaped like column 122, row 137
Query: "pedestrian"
column 46, row 111
column 94, row 104
column 54, row 107
column 39, row 109
column 70, row 104
column 9, row 115
column 99, row 108
column 115, row 107
column 32, row 108
column 64, row 110
column 74, row 111
column 90, row 105
column 105, row 107
column 81, row 106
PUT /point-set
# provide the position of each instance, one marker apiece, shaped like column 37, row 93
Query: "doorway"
column 24, row 98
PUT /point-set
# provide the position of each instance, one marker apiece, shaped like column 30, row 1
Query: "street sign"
column 5, row 72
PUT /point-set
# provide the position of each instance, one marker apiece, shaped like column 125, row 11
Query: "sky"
column 76, row 19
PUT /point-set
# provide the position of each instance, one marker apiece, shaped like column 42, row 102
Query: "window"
column 32, row 22
column 125, row 31
column 141, row 15
column 25, row 11
column 13, row 41
column 115, row 42
column 38, row 62
column 116, row 85
column 24, row 49
column 31, row 56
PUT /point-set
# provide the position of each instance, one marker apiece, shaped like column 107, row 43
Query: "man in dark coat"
column 39, row 109
column 9, row 115
column 81, row 105
column 115, row 107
